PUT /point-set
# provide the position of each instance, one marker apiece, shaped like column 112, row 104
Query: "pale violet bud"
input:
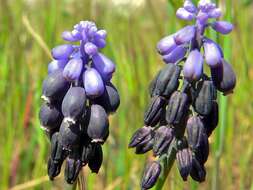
column 213, row 55
column 62, row 51
column 193, row 67
column 177, row 54
column 166, row 45
column 215, row 13
column 203, row 3
column 92, row 31
column 185, row 35
column 222, row 26
column 101, row 34
column 76, row 34
column 104, row 66
column 184, row 14
column 93, row 83
column 90, row 48
column 56, row 65
column 67, row 36
column 206, row 5
column 77, row 27
column 202, row 17
column 73, row 69
column 189, row 6
column 99, row 42
column 212, row 6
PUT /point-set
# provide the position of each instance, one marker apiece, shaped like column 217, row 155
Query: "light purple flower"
column 76, row 34
column 104, row 66
column 202, row 17
column 212, row 53
column 193, row 67
column 206, row 5
column 215, row 13
column 177, row 54
column 223, row 27
column 101, row 34
column 185, row 35
column 184, row 14
column 166, row 45
column 90, row 48
column 62, row 51
column 67, row 35
column 189, row 6
column 99, row 42
column 73, row 69
column 56, row 65
column 93, row 83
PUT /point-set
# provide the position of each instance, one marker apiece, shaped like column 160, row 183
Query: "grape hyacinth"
column 183, row 111
column 78, row 98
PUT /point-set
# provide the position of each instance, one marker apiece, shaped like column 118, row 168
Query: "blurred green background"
column 29, row 27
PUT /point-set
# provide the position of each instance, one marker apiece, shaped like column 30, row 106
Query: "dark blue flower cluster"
column 78, row 97
column 184, row 97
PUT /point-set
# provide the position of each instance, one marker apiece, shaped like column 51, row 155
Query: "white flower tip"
column 97, row 141
column 45, row 98
column 69, row 120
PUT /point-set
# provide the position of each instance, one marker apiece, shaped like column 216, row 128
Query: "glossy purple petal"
column 189, row 6
column 77, row 27
column 101, row 34
column 73, row 69
column 177, row 54
column 92, row 31
column 90, row 48
column 215, row 13
column 184, row 14
column 213, row 55
column 67, row 35
column 99, row 42
column 76, row 54
column 193, row 67
column 62, row 51
column 104, row 66
column 56, row 65
column 166, row 45
column 93, row 83
column 206, row 5
column 84, row 24
column 76, row 34
column 185, row 35
column 222, row 26
column 202, row 17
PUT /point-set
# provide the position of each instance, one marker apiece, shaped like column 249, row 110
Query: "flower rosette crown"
column 189, row 44
column 84, row 62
